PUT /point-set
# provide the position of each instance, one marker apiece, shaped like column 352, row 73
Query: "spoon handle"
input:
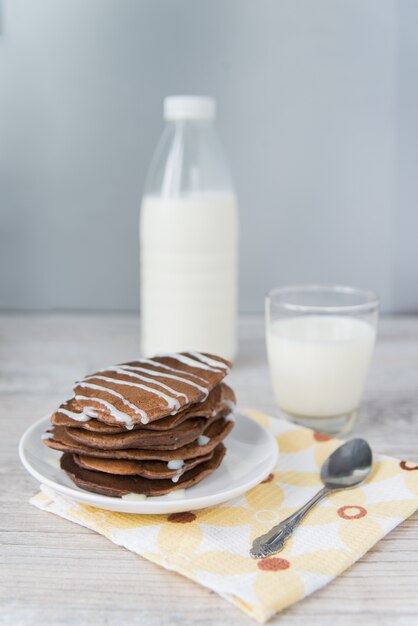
column 274, row 540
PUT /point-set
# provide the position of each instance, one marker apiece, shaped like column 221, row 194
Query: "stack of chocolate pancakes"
column 147, row 427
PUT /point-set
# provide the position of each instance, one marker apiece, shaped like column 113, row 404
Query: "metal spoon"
column 347, row 467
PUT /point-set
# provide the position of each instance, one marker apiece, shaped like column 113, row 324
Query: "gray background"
column 318, row 107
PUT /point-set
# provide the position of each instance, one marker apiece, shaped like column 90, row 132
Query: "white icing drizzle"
column 163, row 375
column 172, row 403
column 134, row 496
column 175, row 495
column 175, row 464
column 214, row 362
column 192, row 362
column 79, row 417
column 230, row 417
column 54, row 462
column 229, row 404
column 147, row 379
column 198, row 361
column 176, row 478
column 202, row 440
column 118, row 415
column 126, row 402
column 164, row 366
column 46, row 436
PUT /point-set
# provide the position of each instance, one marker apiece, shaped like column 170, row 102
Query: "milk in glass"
column 319, row 363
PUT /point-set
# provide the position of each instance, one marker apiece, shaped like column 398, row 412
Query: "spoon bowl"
column 348, row 465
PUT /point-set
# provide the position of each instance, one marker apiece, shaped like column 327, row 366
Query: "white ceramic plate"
column 251, row 455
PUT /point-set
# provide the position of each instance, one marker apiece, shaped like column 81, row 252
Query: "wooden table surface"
column 55, row 572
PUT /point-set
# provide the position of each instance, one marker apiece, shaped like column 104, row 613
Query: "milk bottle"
column 188, row 237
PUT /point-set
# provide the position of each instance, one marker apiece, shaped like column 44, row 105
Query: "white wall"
column 317, row 111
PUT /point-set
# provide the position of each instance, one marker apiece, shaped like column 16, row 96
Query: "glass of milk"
column 320, row 342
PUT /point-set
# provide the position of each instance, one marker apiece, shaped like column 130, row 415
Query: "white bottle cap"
column 189, row 108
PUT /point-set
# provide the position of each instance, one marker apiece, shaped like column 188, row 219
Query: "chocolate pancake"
column 112, row 485
column 220, row 402
column 177, row 437
column 146, row 469
column 146, row 390
column 216, row 432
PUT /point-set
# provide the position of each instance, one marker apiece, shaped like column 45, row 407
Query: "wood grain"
column 54, row 572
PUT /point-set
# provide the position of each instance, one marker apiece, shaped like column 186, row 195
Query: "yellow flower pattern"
column 211, row 546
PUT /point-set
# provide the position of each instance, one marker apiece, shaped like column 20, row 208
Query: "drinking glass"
column 320, row 342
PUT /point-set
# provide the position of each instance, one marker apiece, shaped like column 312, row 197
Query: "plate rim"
column 161, row 507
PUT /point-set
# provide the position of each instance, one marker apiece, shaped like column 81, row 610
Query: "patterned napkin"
column 211, row 546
